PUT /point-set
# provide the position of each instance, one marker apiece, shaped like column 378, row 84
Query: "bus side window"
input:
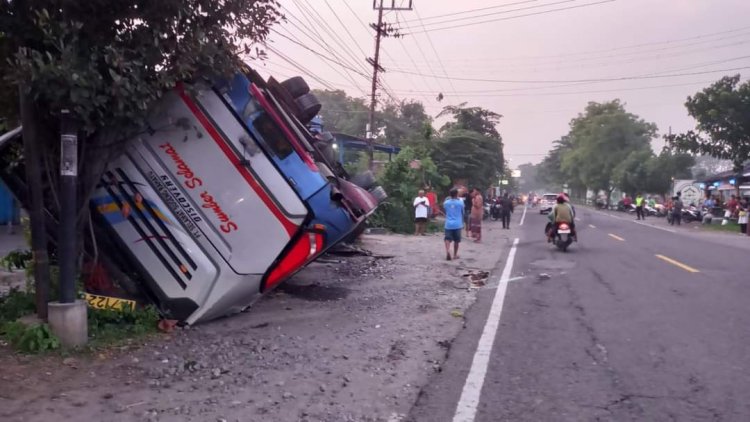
column 272, row 136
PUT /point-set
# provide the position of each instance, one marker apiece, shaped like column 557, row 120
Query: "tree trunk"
column 32, row 161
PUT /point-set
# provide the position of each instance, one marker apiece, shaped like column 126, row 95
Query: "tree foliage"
column 108, row 61
column 402, row 178
column 476, row 119
column 466, row 154
column 723, row 114
column 601, row 139
column 342, row 113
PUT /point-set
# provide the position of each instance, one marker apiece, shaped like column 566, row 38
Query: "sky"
column 535, row 62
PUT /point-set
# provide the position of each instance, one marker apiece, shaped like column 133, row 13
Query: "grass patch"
column 732, row 227
column 107, row 327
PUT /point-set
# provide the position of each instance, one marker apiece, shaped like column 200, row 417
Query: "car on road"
column 546, row 202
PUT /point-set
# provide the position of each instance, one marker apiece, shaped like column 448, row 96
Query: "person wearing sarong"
column 477, row 212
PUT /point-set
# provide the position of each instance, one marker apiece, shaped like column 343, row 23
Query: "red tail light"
column 307, row 247
column 564, row 226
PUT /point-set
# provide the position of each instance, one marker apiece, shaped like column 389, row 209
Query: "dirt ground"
column 348, row 339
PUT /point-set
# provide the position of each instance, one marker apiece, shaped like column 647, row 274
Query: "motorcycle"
column 690, row 214
column 495, row 210
column 563, row 236
column 486, row 213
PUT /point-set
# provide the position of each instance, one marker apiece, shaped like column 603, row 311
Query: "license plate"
column 107, row 302
column 564, row 231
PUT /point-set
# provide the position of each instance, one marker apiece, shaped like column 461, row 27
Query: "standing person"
column 477, row 212
column 467, row 195
column 454, row 222
column 639, row 207
column 432, row 198
column 506, row 209
column 676, row 210
column 742, row 216
column 421, row 210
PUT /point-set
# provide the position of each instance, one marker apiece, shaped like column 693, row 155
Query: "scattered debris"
column 167, row 325
column 477, row 278
column 543, row 276
column 457, row 313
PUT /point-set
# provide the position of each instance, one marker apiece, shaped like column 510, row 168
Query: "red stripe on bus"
column 290, row 227
column 301, row 151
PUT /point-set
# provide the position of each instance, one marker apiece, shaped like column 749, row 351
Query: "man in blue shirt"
column 454, row 222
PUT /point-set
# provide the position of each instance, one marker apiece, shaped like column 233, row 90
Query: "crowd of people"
column 463, row 210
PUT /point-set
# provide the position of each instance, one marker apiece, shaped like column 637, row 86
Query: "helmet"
column 562, row 197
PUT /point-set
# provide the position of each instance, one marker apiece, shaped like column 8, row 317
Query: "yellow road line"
column 614, row 236
column 677, row 263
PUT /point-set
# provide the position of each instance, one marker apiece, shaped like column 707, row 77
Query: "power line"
column 411, row 81
column 320, row 41
column 474, row 10
column 532, row 67
column 301, row 68
column 343, row 73
column 437, row 55
column 623, row 78
column 520, row 9
column 334, row 35
column 515, row 17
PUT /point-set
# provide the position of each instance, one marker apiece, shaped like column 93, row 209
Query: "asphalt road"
column 634, row 323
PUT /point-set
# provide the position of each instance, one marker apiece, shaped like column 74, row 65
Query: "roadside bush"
column 35, row 338
column 15, row 305
column 402, row 178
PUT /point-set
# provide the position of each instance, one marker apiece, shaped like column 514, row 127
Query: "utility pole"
column 68, row 181
column 381, row 30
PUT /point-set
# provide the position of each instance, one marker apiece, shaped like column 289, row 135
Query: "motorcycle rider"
column 562, row 212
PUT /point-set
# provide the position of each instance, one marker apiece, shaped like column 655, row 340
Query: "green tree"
column 342, row 113
column 403, row 123
column 601, row 139
column 632, row 174
column 469, row 146
column 722, row 111
column 665, row 167
column 476, row 119
column 466, row 154
column 550, row 172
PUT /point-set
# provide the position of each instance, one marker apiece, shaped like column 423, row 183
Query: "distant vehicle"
column 546, row 202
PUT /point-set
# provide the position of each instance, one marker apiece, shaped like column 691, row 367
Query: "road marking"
column 592, row 226
column 523, row 216
column 466, row 409
column 614, row 236
column 677, row 263
column 638, row 222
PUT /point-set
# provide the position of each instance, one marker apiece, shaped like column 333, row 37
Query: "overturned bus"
column 222, row 197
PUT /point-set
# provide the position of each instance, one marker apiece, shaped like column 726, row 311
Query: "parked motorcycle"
column 563, row 236
column 486, row 213
column 690, row 214
column 495, row 210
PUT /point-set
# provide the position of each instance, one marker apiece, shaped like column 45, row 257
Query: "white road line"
column 638, row 222
column 592, row 226
column 467, row 405
column 523, row 217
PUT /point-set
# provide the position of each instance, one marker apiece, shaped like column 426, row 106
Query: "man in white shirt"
column 421, row 208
